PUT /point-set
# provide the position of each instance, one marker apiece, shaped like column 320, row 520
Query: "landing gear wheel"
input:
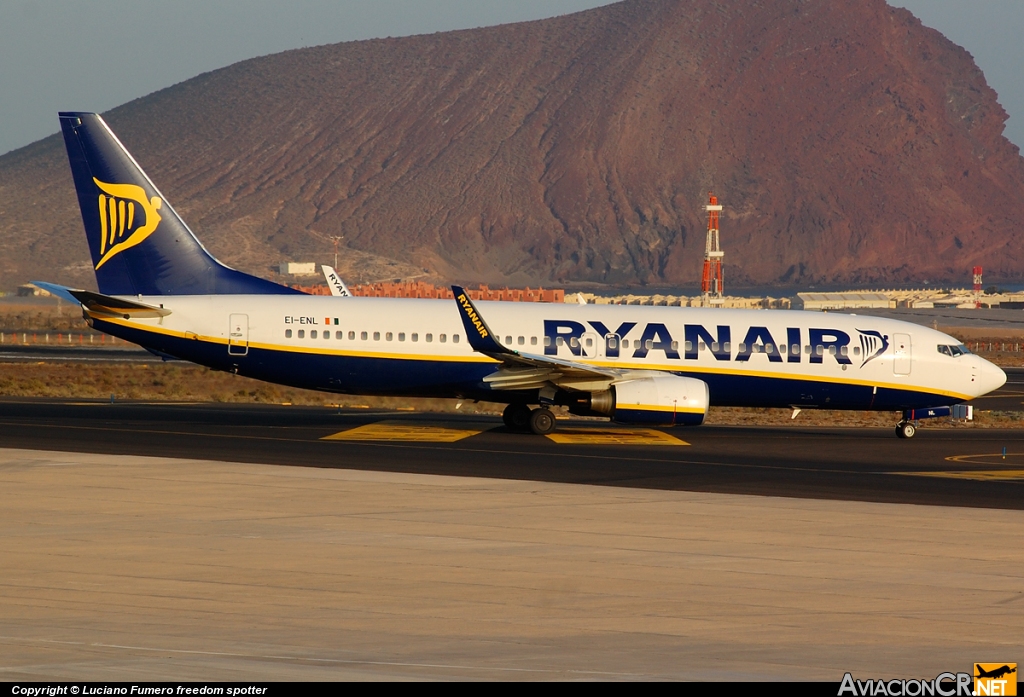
column 905, row 429
column 542, row 421
column 516, row 417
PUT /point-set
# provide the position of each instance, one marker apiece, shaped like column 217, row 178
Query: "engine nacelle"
column 661, row 400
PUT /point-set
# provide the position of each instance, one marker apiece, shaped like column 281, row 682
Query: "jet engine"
column 661, row 400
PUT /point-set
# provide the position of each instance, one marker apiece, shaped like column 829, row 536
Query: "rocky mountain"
column 848, row 143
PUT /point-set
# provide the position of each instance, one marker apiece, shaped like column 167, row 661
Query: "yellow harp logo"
column 120, row 209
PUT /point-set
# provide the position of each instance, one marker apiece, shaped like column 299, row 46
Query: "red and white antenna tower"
column 977, row 287
column 711, row 279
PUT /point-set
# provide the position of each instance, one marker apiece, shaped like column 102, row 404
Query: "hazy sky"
column 92, row 55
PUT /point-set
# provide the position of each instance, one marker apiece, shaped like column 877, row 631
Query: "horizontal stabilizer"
column 62, row 292
column 98, row 304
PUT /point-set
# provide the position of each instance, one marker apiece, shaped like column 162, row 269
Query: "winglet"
column 334, row 282
column 480, row 336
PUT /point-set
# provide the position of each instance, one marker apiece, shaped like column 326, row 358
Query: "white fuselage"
column 748, row 357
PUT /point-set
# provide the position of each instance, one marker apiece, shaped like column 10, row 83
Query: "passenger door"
column 901, row 354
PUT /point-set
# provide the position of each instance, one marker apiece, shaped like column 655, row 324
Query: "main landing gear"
column 519, row 417
column 905, row 429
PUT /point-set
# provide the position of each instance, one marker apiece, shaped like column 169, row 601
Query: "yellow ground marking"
column 977, row 475
column 989, row 459
column 405, row 431
column 614, row 436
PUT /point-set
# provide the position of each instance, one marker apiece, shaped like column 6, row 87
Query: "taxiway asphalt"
column 971, row 467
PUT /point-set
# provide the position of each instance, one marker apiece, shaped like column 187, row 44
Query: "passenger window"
column 743, row 347
column 415, row 336
column 287, row 333
column 701, row 346
column 819, row 350
column 312, row 334
column 795, row 348
column 843, row 351
column 783, row 348
column 807, row 349
column 574, row 342
column 442, row 338
column 522, row 340
column 455, row 338
column 547, row 340
column 648, row 344
column 612, row 343
column 508, row 340
column 769, row 348
column 714, row 346
column 401, row 336
column 688, row 346
column 302, row 333
column 376, row 336
column 636, row 343
column 590, row 342
column 533, row 341
column 327, row 334
column 726, row 347
column 831, row 350
column 339, row 335
column 430, row 338
column 362, row 335
column 559, row 341
column 389, row 336
column 856, row 350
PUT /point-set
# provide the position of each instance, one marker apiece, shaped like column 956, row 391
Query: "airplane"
column 996, row 673
column 334, row 282
column 663, row 366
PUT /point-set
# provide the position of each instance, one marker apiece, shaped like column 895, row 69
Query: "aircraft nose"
column 992, row 377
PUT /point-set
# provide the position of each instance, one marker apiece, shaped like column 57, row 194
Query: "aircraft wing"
column 524, row 371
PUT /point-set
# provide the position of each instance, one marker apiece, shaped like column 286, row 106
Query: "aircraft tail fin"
column 138, row 243
column 334, row 282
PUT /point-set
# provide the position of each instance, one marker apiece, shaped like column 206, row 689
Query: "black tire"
column 542, row 421
column 516, row 417
column 905, row 429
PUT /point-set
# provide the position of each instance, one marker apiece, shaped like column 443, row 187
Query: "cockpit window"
column 953, row 350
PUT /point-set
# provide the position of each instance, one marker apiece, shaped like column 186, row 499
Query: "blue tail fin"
column 139, row 244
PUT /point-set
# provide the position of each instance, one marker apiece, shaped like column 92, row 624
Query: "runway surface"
column 951, row 467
